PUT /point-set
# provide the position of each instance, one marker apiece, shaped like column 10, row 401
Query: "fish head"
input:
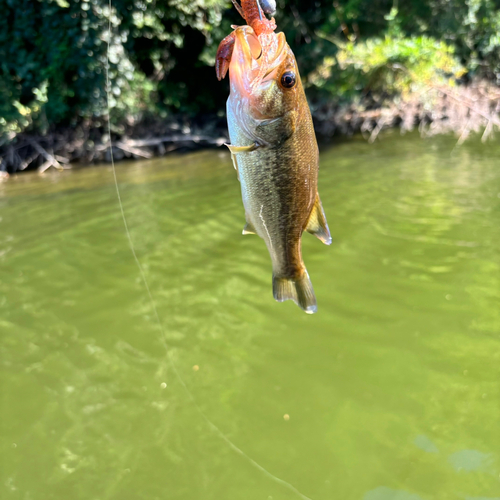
column 264, row 77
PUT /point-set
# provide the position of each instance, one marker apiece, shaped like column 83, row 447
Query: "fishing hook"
column 266, row 6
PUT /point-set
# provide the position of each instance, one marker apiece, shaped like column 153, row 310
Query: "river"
column 390, row 392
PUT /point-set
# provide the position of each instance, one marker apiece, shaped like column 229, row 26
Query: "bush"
column 53, row 53
column 392, row 65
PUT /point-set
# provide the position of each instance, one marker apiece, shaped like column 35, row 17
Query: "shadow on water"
column 391, row 391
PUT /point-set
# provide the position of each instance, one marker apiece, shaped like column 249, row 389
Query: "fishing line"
column 212, row 426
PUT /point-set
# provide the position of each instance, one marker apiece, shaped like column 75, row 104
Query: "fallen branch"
column 155, row 141
column 25, row 163
column 51, row 161
column 45, row 166
column 132, row 150
column 489, row 118
column 61, row 159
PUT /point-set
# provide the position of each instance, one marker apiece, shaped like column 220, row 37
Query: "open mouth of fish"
column 255, row 60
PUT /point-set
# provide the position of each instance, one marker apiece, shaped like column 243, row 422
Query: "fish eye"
column 288, row 79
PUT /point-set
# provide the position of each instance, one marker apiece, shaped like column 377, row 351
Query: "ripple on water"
column 391, row 389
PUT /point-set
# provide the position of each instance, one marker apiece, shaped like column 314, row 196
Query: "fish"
column 273, row 147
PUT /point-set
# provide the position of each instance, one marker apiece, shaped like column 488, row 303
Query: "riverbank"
column 460, row 110
column 90, row 143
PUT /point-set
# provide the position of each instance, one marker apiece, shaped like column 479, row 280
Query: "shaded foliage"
column 53, row 53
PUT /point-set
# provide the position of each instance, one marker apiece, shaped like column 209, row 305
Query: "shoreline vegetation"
column 462, row 111
column 366, row 66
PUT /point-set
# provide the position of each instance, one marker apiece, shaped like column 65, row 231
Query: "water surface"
column 390, row 392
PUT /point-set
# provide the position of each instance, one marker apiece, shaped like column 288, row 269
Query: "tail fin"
column 299, row 290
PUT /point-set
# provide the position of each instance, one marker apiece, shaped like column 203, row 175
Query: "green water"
column 392, row 390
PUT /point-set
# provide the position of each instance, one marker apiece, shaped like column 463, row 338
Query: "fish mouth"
column 255, row 60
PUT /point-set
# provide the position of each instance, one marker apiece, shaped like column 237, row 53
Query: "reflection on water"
column 383, row 493
column 392, row 389
column 471, row 460
column 424, row 443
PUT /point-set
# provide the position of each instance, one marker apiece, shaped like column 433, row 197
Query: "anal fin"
column 317, row 224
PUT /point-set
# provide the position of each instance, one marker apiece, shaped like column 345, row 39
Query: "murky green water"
column 392, row 390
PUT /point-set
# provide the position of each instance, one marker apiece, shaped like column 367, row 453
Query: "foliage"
column 393, row 65
column 53, row 53
column 472, row 27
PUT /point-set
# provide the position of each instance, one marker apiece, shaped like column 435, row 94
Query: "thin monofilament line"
column 124, row 219
column 153, row 303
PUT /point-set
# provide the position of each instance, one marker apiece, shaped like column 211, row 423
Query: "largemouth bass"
column 274, row 149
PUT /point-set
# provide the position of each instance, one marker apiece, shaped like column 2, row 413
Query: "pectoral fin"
column 249, row 229
column 235, row 165
column 242, row 149
column 317, row 224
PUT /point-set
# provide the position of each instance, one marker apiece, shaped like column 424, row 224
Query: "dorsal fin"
column 317, row 224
